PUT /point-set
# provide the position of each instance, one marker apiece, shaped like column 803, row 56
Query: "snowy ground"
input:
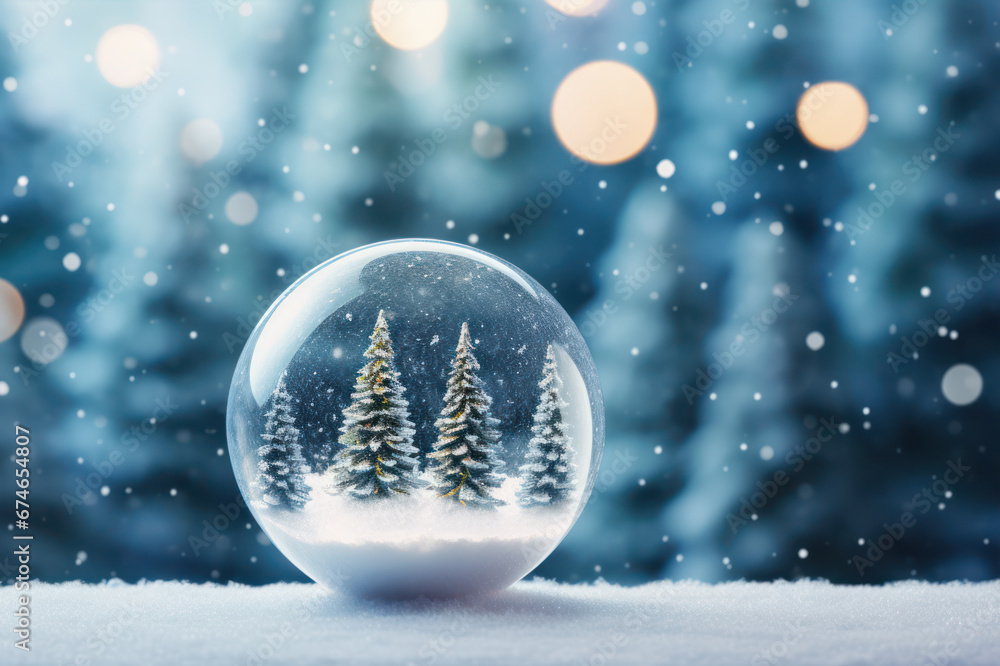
column 538, row 622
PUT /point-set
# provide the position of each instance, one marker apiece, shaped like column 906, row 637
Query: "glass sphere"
column 415, row 417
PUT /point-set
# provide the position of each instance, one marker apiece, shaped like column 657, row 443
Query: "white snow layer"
column 538, row 622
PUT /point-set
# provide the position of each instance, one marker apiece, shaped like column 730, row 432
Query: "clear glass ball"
column 416, row 417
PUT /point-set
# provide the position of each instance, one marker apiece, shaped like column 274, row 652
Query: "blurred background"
column 791, row 306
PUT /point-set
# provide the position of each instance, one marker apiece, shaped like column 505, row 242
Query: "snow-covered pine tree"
column 548, row 472
column 377, row 460
column 281, row 468
column 464, row 465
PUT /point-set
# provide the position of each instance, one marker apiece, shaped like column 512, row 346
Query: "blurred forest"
column 142, row 274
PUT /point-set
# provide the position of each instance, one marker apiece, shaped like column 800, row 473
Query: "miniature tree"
column 548, row 472
column 464, row 463
column 281, row 468
column 377, row 460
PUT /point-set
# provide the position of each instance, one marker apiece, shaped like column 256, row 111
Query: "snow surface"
column 420, row 517
column 539, row 622
column 417, row 544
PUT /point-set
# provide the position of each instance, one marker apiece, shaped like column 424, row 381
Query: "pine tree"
column 281, row 468
column 464, row 464
column 548, row 473
column 378, row 456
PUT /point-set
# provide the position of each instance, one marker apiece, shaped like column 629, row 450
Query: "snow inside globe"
column 416, row 417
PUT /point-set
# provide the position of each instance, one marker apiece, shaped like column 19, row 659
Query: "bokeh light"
column 488, row 141
column 578, row 7
column 11, row 310
column 409, row 24
column 127, row 55
column 832, row 115
column 666, row 169
column 604, row 112
column 241, row 209
column 72, row 262
column 962, row 384
column 201, row 140
column 43, row 340
column 815, row 341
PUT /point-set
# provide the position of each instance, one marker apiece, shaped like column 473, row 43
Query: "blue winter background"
column 660, row 283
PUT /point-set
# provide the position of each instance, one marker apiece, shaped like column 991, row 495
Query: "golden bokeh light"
column 127, row 55
column 409, row 24
column 832, row 115
column 11, row 310
column 604, row 112
column 578, row 7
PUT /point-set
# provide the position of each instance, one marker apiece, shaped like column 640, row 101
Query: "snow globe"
column 415, row 417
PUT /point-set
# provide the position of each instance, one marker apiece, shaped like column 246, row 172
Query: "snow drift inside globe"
column 416, row 417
